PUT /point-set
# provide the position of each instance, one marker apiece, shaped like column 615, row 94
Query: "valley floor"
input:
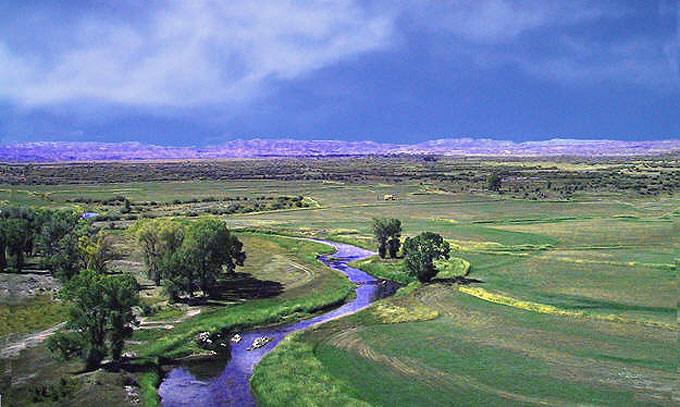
column 574, row 302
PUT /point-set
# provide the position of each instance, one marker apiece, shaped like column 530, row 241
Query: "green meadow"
column 566, row 302
column 587, row 315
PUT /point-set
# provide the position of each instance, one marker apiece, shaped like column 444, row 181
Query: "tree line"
column 72, row 249
column 100, row 315
column 64, row 241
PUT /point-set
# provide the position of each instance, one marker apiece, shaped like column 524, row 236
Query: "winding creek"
column 216, row 384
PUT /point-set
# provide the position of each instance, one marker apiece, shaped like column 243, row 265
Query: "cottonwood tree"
column 159, row 239
column 493, row 181
column 122, row 293
column 96, row 251
column 17, row 227
column 394, row 232
column 3, row 246
column 58, row 242
column 387, row 233
column 420, row 253
column 100, row 317
column 207, row 250
column 17, row 233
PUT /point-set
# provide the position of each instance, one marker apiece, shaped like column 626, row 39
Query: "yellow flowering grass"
column 485, row 295
column 395, row 314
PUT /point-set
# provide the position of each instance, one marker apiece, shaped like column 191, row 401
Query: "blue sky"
column 203, row 71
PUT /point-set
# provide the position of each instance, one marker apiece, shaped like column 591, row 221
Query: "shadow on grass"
column 27, row 272
column 458, row 280
column 243, row 287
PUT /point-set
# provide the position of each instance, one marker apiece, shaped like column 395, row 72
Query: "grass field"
column 576, row 305
column 481, row 353
column 577, row 308
column 32, row 315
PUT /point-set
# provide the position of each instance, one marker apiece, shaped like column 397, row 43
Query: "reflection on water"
column 213, row 384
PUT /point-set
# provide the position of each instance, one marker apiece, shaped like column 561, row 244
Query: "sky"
column 203, row 72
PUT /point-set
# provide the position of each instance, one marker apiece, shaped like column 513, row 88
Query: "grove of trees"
column 159, row 239
column 187, row 257
column 100, row 305
column 184, row 256
column 62, row 240
column 387, row 233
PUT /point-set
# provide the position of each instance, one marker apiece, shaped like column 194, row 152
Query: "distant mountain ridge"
column 92, row 151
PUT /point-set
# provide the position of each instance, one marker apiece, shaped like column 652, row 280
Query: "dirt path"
column 145, row 323
column 14, row 346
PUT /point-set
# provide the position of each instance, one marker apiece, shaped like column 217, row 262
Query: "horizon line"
column 467, row 138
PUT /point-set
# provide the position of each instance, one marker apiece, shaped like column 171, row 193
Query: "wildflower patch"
column 482, row 294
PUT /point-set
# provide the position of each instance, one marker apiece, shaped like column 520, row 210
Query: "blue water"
column 182, row 387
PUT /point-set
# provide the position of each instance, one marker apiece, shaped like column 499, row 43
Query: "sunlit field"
column 567, row 301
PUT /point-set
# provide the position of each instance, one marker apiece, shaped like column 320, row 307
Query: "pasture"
column 578, row 309
column 571, row 300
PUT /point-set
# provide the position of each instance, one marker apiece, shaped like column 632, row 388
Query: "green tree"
column 127, row 207
column 30, row 219
column 394, row 232
column 3, row 244
column 158, row 239
column 100, row 316
column 96, row 251
column 387, row 233
column 207, row 250
column 178, row 278
column 420, row 253
column 145, row 232
column 121, row 294
column 493, row 181
column 87, row 320
column 380, row 235
column 17, row 233
column 58, row 242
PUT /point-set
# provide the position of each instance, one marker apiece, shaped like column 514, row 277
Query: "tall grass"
column 292, row 376
column 148, row 385
column 395, row 314
column 33, row 315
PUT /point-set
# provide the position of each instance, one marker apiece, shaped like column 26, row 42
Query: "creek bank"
column 227, row 384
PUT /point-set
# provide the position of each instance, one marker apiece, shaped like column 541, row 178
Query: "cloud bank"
column 190, row 52
column 205, row 52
